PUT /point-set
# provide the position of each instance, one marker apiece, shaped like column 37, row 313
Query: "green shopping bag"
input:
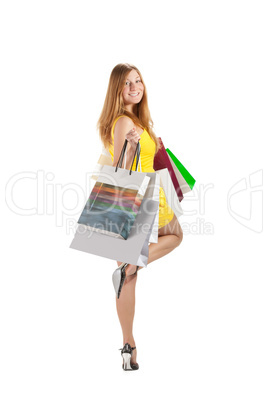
column 185, row 179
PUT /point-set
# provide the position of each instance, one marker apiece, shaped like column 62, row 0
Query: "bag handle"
column 125, row 160
column 138, row 151
column 121, row 157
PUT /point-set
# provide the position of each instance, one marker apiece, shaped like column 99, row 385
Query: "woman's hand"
column 133, row 138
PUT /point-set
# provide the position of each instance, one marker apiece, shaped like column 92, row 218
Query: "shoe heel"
column 126, row 363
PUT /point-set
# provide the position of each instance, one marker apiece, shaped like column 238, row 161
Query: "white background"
column 201, row 311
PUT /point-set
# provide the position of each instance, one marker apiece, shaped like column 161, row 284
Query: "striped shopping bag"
column 115, row 199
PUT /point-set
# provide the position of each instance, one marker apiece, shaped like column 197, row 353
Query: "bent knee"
column 179, row 237
column 131, row 279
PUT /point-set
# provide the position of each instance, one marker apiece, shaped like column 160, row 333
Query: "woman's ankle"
column 129, row 340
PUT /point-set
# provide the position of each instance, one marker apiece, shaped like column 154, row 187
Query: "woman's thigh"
column 173, row 227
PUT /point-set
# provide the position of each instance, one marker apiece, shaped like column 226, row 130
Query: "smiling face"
column 133, row 90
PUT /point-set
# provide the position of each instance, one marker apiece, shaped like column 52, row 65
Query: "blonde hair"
column 114, row 106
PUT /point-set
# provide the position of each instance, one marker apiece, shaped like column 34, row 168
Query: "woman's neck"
column 132, row 109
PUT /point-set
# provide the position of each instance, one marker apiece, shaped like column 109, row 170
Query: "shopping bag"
column 106, row 159
column 115, row 199
column 184, row 177
column 133, row 250
column 170, row 192
column 185, row 188
column 162, row 161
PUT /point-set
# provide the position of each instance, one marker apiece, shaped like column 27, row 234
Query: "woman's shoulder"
column 123, row 119
column 122, row 122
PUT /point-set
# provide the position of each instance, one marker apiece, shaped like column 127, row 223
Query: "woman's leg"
column 125, row 306
column 170, row 237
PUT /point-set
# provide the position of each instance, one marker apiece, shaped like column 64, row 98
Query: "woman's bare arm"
column 124, row 130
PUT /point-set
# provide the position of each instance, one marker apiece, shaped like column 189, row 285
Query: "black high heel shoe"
column 126, row 353
column 119, row 277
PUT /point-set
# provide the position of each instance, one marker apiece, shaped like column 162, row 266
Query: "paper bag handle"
column 121, row 157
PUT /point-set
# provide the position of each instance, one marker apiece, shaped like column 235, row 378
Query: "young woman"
column 126, row 115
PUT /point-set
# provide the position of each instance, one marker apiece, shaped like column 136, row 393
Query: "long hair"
column 114, row 106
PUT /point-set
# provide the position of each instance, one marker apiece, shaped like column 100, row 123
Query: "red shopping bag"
column 162, row 161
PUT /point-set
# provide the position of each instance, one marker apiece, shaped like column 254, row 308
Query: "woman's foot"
column 129, row 354
column 131, row 342
column 134, row 356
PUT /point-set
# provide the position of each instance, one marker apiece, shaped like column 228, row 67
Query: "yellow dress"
column 147, row 161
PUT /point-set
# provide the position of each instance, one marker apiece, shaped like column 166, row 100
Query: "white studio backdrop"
column 201, row 311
